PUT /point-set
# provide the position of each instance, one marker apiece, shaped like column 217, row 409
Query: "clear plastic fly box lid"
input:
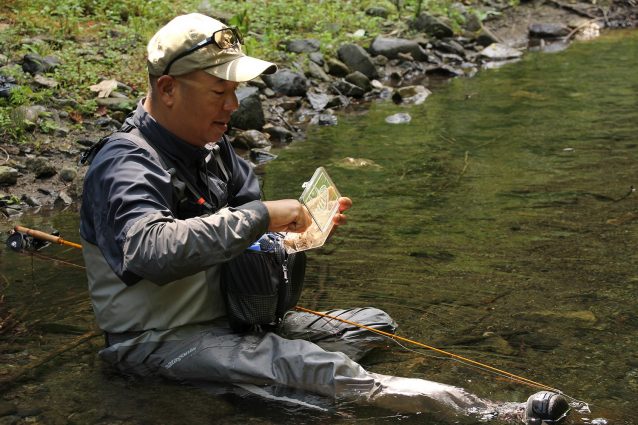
column 320, row 197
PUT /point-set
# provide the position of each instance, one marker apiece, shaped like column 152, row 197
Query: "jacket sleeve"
column 126, row 212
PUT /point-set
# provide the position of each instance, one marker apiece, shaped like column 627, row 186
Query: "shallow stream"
column 499, row 224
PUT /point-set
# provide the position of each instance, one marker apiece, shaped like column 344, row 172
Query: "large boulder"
column 357, row 59
column 287, row 82
column 250, row 114
column 391, row 48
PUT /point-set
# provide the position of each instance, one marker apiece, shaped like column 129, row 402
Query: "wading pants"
column 307, row 353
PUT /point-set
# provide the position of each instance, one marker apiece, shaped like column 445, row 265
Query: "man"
column 167, row 202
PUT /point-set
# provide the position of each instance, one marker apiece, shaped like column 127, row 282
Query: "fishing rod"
column 17, row 241
column 20, row 231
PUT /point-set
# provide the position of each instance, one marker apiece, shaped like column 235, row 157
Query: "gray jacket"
column 153, row 259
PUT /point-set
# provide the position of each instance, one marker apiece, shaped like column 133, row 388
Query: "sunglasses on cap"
column 224, row 38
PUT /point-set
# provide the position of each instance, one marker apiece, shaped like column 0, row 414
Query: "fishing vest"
column 145, row 305
column 122, row 309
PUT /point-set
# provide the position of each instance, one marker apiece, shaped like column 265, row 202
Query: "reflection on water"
column 498, row 224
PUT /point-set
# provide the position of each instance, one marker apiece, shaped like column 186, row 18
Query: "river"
column 498, row 224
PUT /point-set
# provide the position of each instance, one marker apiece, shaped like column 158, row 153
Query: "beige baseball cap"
column 182, row 34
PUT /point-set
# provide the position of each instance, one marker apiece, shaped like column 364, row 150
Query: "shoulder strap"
column 132, row 134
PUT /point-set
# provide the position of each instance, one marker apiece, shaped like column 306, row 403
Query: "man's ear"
column 166, row 88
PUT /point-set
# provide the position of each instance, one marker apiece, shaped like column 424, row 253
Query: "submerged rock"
column 399, row 118
column 411, row 94
column 356, row 163
column 498, row 51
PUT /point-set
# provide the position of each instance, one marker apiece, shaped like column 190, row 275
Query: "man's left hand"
column 339, row 218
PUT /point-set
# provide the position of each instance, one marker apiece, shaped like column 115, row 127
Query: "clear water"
column 494, row 225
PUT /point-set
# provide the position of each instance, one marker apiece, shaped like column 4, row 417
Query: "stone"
column 315, row 71
column 356, row 163
column 68, row 174
column 359, row 80
column 7, row 84
column 378, row 11
column 252, row 139
column 348, row 89
column 317, row 57
column 45, row 81
column 484, row 39
column 498, row 51
column 432, row 26
column 303, row 46
column 60, row 130
column 411, row 94
column 41, row 168
column 30, row 113
column 449, row 46
column 399, row 118
column 36, row 64
column 31, row 201
column 116, row 103
column 287, row 82
column 325, row 118
column 261, row 156
column 279, row 134
column 357, row 59
column 391, row 48
column 548, row 30
column 318, row 101
column 63, row 198
column 337, row 68
column 8, row 176
column 250, row 114
column 472, row 22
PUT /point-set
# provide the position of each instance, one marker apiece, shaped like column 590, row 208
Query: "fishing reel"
column 18, row 241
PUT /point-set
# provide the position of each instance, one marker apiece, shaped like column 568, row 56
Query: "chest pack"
column 259, row 285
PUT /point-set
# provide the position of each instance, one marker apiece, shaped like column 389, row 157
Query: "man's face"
column 202, row 108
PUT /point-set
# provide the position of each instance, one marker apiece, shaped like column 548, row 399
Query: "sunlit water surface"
column 495, row 225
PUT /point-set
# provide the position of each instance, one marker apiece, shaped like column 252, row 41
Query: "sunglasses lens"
column 226, row 38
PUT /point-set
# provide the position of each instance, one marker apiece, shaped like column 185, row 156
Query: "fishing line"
column 45, row 257
column 583, row 406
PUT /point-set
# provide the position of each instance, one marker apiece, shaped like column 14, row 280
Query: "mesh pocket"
column 250, row 287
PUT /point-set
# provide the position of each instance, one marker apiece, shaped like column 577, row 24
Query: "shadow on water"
column 498, row 224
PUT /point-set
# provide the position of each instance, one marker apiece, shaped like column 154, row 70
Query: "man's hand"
column 287, row 215
column 344, row 205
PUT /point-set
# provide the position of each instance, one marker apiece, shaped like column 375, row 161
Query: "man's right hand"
column 287, row 215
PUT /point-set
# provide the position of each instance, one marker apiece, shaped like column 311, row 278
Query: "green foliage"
column 12, row 126
column 99, row 39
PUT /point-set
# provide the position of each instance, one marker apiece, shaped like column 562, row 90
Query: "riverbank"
column 403, row 63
